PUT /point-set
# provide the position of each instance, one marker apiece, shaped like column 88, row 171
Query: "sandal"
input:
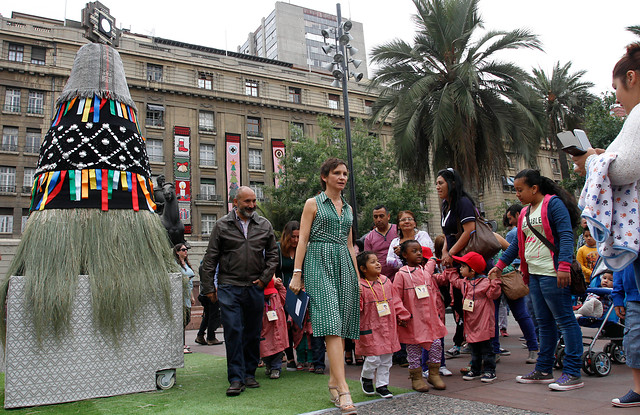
column 348, row 358
column 347, row 408
column 335, row 396
column 187, row 350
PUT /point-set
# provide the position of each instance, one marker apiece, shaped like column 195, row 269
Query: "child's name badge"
column 272, row 315
column 383, row 308
column 467, row 305
column 422, row 291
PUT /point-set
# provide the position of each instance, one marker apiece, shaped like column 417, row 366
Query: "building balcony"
column 35, row 110
column 11, row 108
column 209, row 198
column 153, row 122
column 26, row 189
column 257, row 134
column 8, row 189
column 207, row 129
column 8, row 147
column 208, row 164
column 32, row 150
column 255, row 166
column 153, row 158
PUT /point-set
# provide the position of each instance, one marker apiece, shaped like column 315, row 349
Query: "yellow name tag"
column 422, row 291
column 383, row 308
column 272, row 315
column 467, row 305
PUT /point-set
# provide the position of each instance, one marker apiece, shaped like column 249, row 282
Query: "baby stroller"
column 608, row 328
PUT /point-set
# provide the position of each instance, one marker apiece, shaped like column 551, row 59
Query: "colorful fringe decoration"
column 81, row 182
column 88, row 106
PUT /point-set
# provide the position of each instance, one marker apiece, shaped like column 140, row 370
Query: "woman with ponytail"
column 552, row 213
column 624, row 171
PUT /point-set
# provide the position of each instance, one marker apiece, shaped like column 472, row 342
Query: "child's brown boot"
column 417, row 381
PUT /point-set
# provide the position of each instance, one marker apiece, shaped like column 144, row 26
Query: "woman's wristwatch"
column 297, row 270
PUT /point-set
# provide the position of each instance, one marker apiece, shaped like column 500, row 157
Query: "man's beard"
column 246, row 212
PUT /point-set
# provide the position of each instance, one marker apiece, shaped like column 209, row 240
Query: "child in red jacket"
column 274, row 336
column 418, row 291
column 478, row 293
column 380, row 308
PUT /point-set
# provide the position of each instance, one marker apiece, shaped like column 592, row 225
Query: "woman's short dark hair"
column 630, row 61
column 285, row 238
column 404, row 212
column 455, row 186
column 549, row 187
column 327, row 167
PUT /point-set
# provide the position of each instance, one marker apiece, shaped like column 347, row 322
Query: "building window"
column 368, row 105
column 555, row 167
column 27, row 179
column 258, row 188
column 207, row 189
column 154, row 150
column 7, row 179
column 255, row 159
column 25, row 218
column 36, row 102
column 294, row 95
column 16, row 52
column 12, row 100
column 206, row 122
column 507, row 184
column 207, row 222
column 38, row 55
column 297, row 131
column 253, row 127
column 205, row 80
column 251, row 87
column 9, row 139
column 334, row 101
column 154, row 72
column 208, row 155
column 155, row 115
column 33, row 141
column 6, row 223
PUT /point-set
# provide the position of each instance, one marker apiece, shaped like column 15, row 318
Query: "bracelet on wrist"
column 297, row 270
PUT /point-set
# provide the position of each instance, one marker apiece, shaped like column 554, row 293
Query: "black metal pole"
column 347, row 127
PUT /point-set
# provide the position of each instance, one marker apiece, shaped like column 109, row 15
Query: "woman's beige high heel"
column 346, row 408
column 335, row 395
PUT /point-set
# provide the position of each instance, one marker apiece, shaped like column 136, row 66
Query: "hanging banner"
column 182, row 173
column 232, row 162
column 277, row 149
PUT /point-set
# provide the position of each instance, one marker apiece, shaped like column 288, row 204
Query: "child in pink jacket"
column 478, row 293
column 418, row 291
column 274, row 336
column 380, row 308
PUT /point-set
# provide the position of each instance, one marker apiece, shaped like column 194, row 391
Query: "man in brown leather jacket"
column 244, row 246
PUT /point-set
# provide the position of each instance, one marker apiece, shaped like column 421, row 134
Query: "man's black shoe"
column 235, row 388
column 251, row 383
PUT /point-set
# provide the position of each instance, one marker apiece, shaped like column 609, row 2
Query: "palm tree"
column 634, row 29
column 565, row 97
column 452, row 99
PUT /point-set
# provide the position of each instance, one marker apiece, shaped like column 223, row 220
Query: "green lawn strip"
column 200, row 389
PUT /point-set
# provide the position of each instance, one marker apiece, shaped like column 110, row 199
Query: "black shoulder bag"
column 578, row 286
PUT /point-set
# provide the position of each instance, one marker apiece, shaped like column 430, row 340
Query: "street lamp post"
column 340, row 70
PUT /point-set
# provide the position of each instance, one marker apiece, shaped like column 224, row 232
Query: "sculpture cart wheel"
column 165, row 379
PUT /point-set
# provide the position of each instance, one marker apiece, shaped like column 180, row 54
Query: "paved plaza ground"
column 504, row 396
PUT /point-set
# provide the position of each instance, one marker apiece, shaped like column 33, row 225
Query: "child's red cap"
column 474, row 260
column 270, row 288
column 426, row 252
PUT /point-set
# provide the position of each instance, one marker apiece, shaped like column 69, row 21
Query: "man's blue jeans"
column 241, row 311
column 553, row 310
column 519, row 310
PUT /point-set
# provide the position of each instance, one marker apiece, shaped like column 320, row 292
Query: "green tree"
column 376, row 176
column 452, row 99
column 564, row 96
column 602, row 127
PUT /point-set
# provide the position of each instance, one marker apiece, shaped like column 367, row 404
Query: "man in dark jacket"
column 244, row 246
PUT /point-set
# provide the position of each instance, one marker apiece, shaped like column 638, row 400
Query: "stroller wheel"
column 601, row 364
column 587, row 359
column 617, row 353
column 559, row 362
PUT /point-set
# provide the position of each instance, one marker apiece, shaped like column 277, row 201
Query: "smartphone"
column 574, row 151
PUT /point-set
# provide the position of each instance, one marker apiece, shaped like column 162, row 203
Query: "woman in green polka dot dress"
column 330, row 277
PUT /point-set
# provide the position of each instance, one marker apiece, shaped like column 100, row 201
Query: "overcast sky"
column 590, row 33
